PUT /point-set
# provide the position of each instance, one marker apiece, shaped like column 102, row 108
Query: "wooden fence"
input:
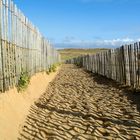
column 22, row 47
column 121, row 64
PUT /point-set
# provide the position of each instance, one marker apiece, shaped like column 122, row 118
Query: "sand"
column 14, row 106
column 82, row 106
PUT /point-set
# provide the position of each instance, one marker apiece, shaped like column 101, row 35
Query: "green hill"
column 71, row 53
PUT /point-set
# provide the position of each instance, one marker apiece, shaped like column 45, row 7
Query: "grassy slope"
column 70, row 53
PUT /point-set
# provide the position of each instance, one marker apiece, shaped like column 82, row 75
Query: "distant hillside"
column 71, row 53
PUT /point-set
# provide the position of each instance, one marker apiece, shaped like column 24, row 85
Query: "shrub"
column 79, row 64
column 47, row 72
column 23, row 81
column 52, row 69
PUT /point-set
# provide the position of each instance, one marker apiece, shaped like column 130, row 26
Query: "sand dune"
column 14, row 106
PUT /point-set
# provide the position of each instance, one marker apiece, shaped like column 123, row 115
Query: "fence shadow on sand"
column 132, row 95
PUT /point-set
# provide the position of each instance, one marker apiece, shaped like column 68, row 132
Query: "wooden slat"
column 1, row 49
column 121, row 64
column 22, row 47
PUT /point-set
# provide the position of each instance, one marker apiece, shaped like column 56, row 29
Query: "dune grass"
column 71, row 53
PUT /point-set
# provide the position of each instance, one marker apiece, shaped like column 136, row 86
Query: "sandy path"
column 14, row 106
column 79, row 106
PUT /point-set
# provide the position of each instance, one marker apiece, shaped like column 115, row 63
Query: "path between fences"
column 81, row 106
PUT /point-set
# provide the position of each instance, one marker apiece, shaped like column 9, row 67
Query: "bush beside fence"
column 22, row 46
column 120, row 64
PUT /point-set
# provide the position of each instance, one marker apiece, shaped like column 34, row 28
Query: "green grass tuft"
column 23, row 82
column 53, row 68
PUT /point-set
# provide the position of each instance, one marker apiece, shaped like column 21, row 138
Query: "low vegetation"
column 79, row 64
column 53, row 68
column 23, row 81
column 71, row 53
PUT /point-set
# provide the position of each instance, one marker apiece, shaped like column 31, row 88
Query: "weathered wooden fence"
column 22, row 47
column 121, row 64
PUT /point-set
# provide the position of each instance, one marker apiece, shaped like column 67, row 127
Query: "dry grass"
column 71, row 53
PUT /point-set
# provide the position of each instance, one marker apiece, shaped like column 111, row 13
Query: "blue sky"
column 85, row 23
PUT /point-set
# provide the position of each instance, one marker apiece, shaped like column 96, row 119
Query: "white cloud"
column 101, row 41
column 98, row 43
column 116, row 42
